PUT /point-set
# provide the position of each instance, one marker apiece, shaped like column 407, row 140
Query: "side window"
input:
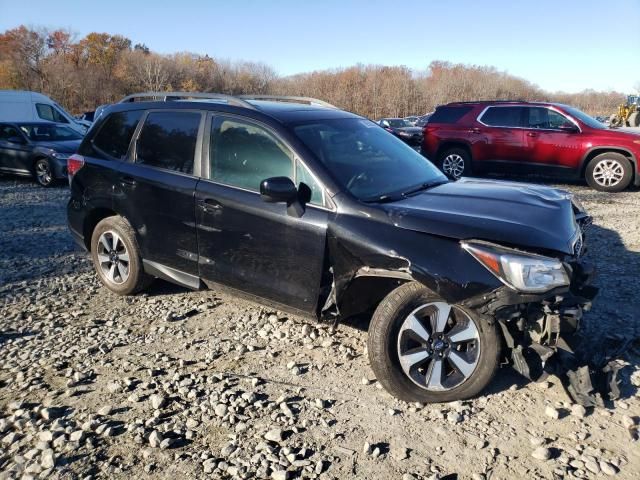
column 242, row 154
column 168, row 140
column 49, row 113
column 7, row 132
column 502, row 116
column 449, row 114
column 557, row 120
column 114, row 136
column 540, row 117
column 304, row 176
column 45, row 112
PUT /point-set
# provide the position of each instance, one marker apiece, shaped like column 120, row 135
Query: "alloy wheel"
column 438, row 346
column 43, row 172
column 113, row 257
column 608, row 172
column 453, row 165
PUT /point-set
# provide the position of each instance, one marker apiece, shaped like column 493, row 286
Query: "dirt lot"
column 98, row 386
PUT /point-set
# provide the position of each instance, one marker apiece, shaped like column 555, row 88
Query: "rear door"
column 547, row 144
column 155, row 189
column 14, row 156
column 248, row 244
column 501, row 137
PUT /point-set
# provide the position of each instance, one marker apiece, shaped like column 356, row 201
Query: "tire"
column 634, row 119
column 455, row 163
column 128, row 277
column 387, row 335
column 43, row 173
column 609, row 172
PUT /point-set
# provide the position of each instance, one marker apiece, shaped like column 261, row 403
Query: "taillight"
column 74, row 163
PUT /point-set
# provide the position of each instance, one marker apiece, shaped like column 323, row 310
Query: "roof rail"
column 172, row 96
column 487, row 101
column 281, row 98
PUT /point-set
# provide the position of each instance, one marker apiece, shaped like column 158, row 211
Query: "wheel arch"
column 595, row 151
column 91, row 220
column 365, row 292
column 449, row 144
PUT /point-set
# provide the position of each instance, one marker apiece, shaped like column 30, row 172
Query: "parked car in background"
column 524, row 137
column 320, row 212
column 37, row 149
column 412, row 120
column 86, row 116
column 23, row 106
column 422, row 121
column 402, row 129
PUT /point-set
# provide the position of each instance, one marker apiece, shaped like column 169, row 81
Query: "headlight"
column 61, row 156
column 524, row 272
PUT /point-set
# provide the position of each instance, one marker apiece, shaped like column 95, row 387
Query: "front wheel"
column 423, row 349
column 43, row 172
column 455, row 163
column 609, row 172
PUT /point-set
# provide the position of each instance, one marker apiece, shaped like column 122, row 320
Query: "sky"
column 560, row 45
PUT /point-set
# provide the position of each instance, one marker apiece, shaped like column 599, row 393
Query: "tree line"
column 101, row 68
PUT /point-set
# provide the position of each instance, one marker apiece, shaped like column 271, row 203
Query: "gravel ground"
column 179, row 384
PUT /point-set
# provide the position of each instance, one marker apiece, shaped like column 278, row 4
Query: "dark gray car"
column 37, row 149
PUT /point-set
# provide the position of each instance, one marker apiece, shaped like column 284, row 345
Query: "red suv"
column 528, row 137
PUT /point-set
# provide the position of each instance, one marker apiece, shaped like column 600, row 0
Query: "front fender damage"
column 542, row 336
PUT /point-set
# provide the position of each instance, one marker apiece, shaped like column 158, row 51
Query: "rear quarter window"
column 114, row 136
column 449, row 114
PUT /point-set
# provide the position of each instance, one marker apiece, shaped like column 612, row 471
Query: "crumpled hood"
column 63, row 146
column 519, row 214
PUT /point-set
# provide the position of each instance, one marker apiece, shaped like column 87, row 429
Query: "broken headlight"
column 525, row 272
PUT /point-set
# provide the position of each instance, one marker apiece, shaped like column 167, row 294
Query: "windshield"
column 369, row 162
column 398, row 123
column 584, row 118
column 49, row 133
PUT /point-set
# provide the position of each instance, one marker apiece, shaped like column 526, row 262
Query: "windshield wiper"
column 423, row 186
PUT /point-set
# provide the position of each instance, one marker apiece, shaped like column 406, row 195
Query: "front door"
column 248, row 244
column 547, row 143
column 157, row 189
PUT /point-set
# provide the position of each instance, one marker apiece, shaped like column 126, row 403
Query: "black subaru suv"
column 320, row 212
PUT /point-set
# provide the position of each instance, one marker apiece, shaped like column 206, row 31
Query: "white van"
column 23, row 106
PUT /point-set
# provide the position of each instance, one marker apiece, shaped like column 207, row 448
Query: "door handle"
column 474, row 130
column 532, row 134
column 209, row 204
column 128, row 181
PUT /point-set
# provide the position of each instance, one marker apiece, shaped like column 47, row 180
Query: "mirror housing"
column 278, row 190
column 17, row 140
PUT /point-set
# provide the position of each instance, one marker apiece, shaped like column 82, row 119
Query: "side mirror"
column 278, row 190
column 569, row 128
column 18, row 140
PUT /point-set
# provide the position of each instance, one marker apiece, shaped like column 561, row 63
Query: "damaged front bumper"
column 539, row 329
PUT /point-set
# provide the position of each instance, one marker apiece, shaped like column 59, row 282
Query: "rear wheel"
column 455, row 163
column 43, row 173
column 609, row 172
column 116, row 257
column 634, row 119
column 423, row 349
